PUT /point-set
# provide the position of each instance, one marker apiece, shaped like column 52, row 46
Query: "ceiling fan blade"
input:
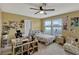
column 37, row 12
column 45, row 13
column 34, row 9
column 48, row 9
column 41, row 8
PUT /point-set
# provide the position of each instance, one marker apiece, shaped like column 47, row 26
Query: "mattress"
column 45, row 38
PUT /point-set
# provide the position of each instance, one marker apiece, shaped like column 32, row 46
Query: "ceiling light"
column 41, row 12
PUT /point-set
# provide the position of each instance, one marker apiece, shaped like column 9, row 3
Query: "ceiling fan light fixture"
column 41, row 12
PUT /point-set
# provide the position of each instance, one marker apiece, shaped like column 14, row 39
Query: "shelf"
column 25, row 51
column 18, row 50
column 25, row 44
column 17, row 46
column 31, row 51
column 30, row 48
column 26, row 48
column 30, row 45
column 24, row 41
column 35, row 49
column 35, row 46
column 19, row 53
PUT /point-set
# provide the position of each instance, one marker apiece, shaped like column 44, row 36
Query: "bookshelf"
column 26, row 47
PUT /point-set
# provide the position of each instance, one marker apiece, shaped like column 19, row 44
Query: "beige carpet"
column 52, row 49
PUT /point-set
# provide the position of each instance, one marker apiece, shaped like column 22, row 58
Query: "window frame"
column 52, row 26
column 47, row 26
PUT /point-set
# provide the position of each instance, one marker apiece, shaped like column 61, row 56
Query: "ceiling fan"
column 42, row 9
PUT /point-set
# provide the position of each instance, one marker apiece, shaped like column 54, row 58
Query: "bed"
column 46, row 38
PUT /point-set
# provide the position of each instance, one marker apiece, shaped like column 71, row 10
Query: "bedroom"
column 29, row 31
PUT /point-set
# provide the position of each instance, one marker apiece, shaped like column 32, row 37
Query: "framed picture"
column 75, row 22
column 65, row 23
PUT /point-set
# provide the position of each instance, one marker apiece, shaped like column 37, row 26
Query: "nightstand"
column 60, row 40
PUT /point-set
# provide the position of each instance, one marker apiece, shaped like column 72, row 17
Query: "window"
column 53, row 27
column 57, row 31
column 57, row 27
column 47, row 23
column 47, row 27
column 57, row 22
column 47, row 30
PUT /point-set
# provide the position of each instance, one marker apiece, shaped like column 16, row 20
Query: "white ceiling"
column 24, row 8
